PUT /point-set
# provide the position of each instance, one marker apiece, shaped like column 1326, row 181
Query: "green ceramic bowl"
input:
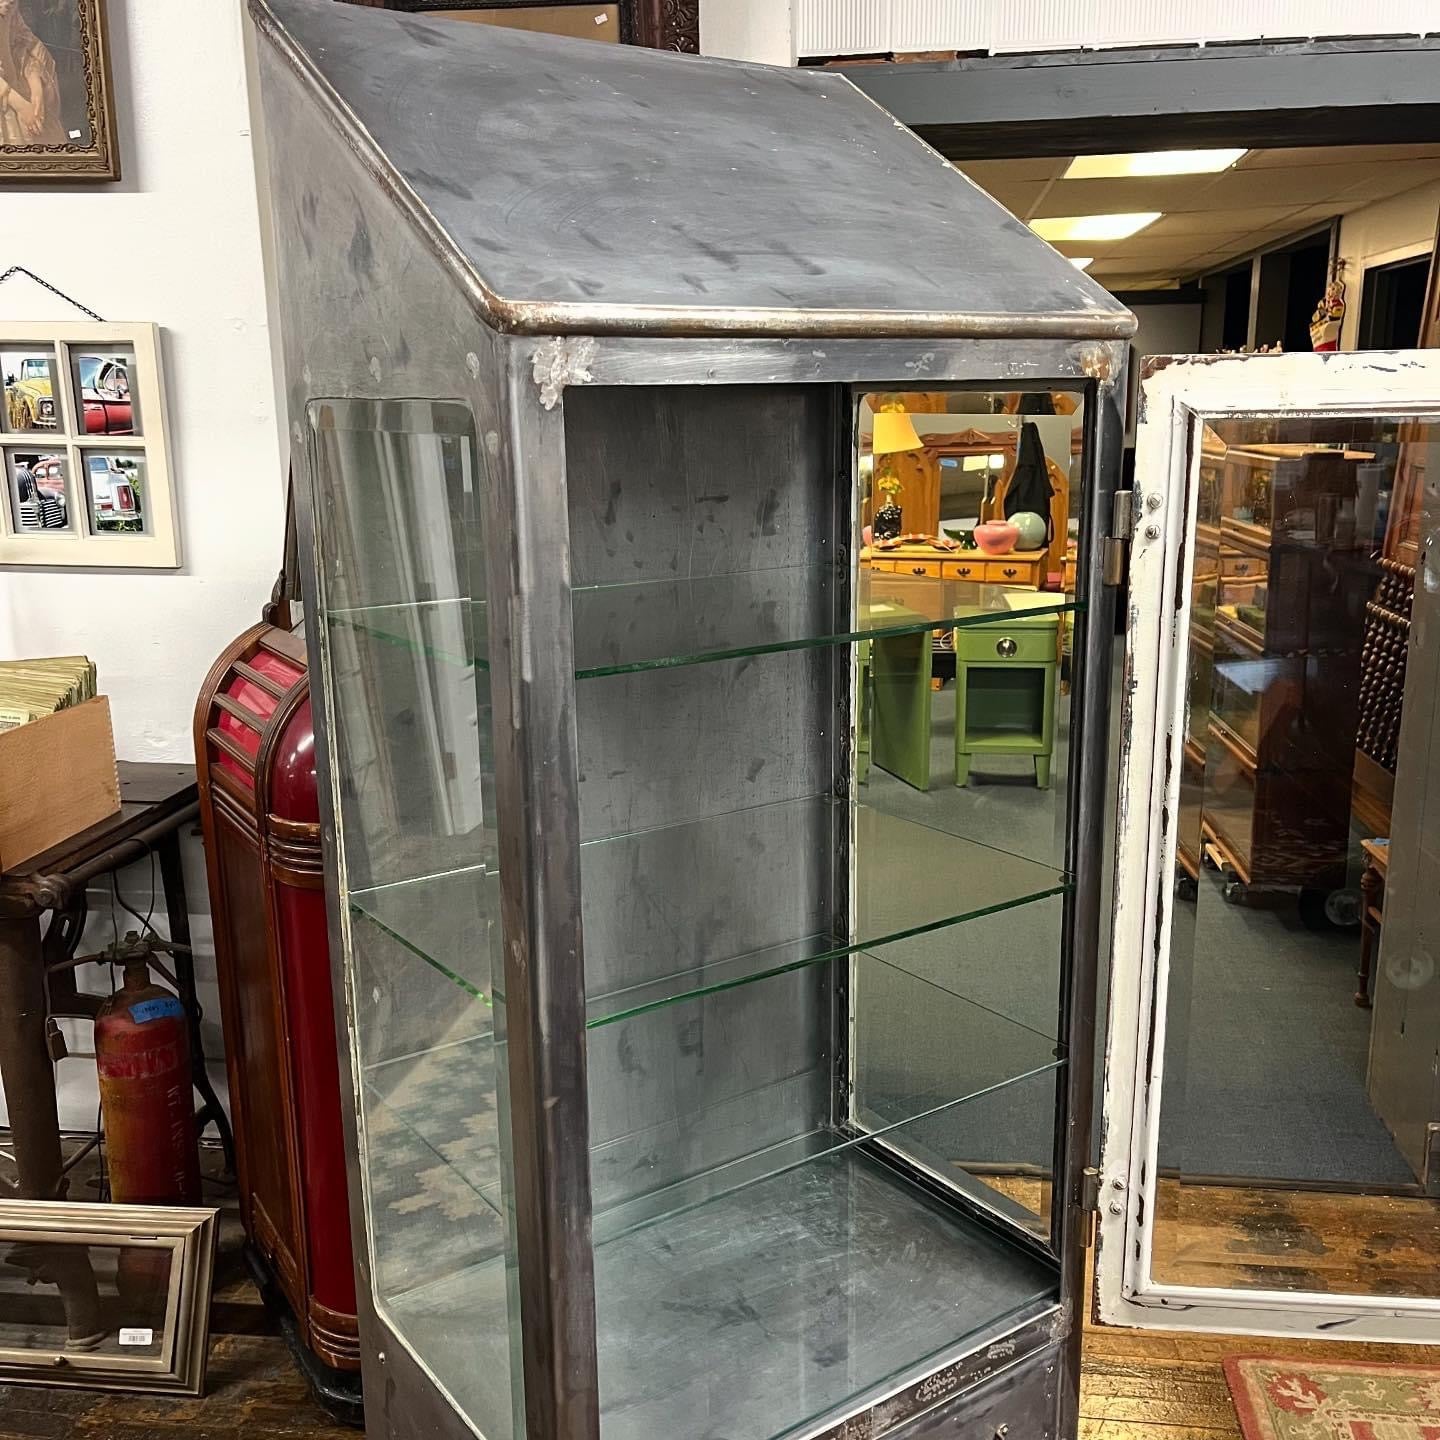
column 1032, row 528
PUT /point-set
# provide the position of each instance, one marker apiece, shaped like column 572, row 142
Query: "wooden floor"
column 1155, row 1385
column 1161, row 1386
column 1136, row 1386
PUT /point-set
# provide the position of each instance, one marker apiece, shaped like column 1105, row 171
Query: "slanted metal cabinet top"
column 578, row 188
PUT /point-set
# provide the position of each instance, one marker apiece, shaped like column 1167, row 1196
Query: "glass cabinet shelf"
column 440, row 918
column 683, row 1271
column 658, row 624
column 681, row 1301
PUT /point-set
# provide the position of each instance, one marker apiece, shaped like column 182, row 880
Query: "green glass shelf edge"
column 709, row 654
column 804, row 962
column 613, row 1224
column 438, row 965
column 389, row 637
column 682, row 992
column 1001, row 619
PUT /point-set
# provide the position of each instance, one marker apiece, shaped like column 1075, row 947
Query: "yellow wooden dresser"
column 1023, row 569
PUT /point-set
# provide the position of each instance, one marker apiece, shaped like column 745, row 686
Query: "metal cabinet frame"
column 514, row 364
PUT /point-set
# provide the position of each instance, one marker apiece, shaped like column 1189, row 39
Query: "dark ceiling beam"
column 1326, row 92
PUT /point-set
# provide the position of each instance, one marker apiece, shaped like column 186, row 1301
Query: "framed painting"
column 56, row 108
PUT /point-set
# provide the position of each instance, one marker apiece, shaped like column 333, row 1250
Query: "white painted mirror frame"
column 1175, row 392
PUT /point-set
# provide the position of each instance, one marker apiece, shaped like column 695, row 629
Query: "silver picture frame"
column 51, row 1247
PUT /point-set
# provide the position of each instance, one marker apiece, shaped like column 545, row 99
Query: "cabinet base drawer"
column 1020, row 1403
column 1027, row 643
column 1013, row 1381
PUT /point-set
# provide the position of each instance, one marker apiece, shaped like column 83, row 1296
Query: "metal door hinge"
column 1122, row 527
column 1089, row 1205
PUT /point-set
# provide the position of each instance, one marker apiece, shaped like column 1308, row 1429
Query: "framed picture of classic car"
column 83, row 453
column 56, row 109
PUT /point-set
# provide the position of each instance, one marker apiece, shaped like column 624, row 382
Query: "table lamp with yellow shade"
column 893, row 432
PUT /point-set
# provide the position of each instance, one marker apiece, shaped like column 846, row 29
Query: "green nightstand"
column 1005, row 688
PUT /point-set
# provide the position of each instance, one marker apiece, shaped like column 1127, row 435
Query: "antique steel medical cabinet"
column 703, row 1085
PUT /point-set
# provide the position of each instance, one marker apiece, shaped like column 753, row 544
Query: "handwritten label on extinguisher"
column 155, row 1009
column 136, row 1335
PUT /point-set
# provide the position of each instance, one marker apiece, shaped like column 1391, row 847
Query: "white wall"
column 853, row 27
column 1163, row 330
column 176, row 242
column 750, row 29
column 1395, row 229
column 740, row 30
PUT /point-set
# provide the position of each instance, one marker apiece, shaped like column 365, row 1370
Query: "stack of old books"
column 32, row 688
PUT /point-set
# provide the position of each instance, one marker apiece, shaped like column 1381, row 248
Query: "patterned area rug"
column 1336, row 1400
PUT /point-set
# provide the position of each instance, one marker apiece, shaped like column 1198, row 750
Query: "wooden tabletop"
column 1378, row 852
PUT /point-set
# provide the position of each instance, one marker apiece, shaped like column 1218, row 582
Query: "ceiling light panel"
column 1151, row 162
column 1094, row 227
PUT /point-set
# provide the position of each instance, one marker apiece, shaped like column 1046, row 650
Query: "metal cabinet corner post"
column 624, row 959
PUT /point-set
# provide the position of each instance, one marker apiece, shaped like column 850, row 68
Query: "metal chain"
column 53, row 289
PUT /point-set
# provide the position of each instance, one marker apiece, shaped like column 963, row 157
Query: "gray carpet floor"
column 1266, row 1052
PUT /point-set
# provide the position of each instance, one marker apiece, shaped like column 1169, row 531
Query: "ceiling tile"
column 1017, row 196
column 1042, row 168
column 1209, row 221
column 1376, row 182
column 1335, row 155
column 1104, row 197
column 1287, row 185
column 1221, row 222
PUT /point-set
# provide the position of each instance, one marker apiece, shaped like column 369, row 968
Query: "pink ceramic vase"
column 996, row 537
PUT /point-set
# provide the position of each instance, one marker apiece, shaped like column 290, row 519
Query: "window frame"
column 157, row 547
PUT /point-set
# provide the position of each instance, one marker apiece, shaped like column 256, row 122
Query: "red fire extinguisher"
column 142, row 1053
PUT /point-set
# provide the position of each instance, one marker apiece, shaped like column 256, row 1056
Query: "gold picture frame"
column 106, row 1297
column 57, row 110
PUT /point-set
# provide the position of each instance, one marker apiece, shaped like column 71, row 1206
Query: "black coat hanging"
column 1029, row 487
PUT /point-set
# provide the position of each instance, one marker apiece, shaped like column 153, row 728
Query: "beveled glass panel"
column 399, row 499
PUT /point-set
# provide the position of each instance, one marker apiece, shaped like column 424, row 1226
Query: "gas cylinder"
column 142, row 1053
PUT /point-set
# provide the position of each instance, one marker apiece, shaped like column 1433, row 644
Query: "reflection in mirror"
column 39, row 498
column 968, row 510
column 31, row 396
column 1299, row 1102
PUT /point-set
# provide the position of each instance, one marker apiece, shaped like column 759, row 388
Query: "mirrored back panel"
column 1300, row 1103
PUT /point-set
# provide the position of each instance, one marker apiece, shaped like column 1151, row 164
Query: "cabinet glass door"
column 1270, row 1159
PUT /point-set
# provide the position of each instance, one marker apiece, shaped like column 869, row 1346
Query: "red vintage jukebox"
column 254, row 748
